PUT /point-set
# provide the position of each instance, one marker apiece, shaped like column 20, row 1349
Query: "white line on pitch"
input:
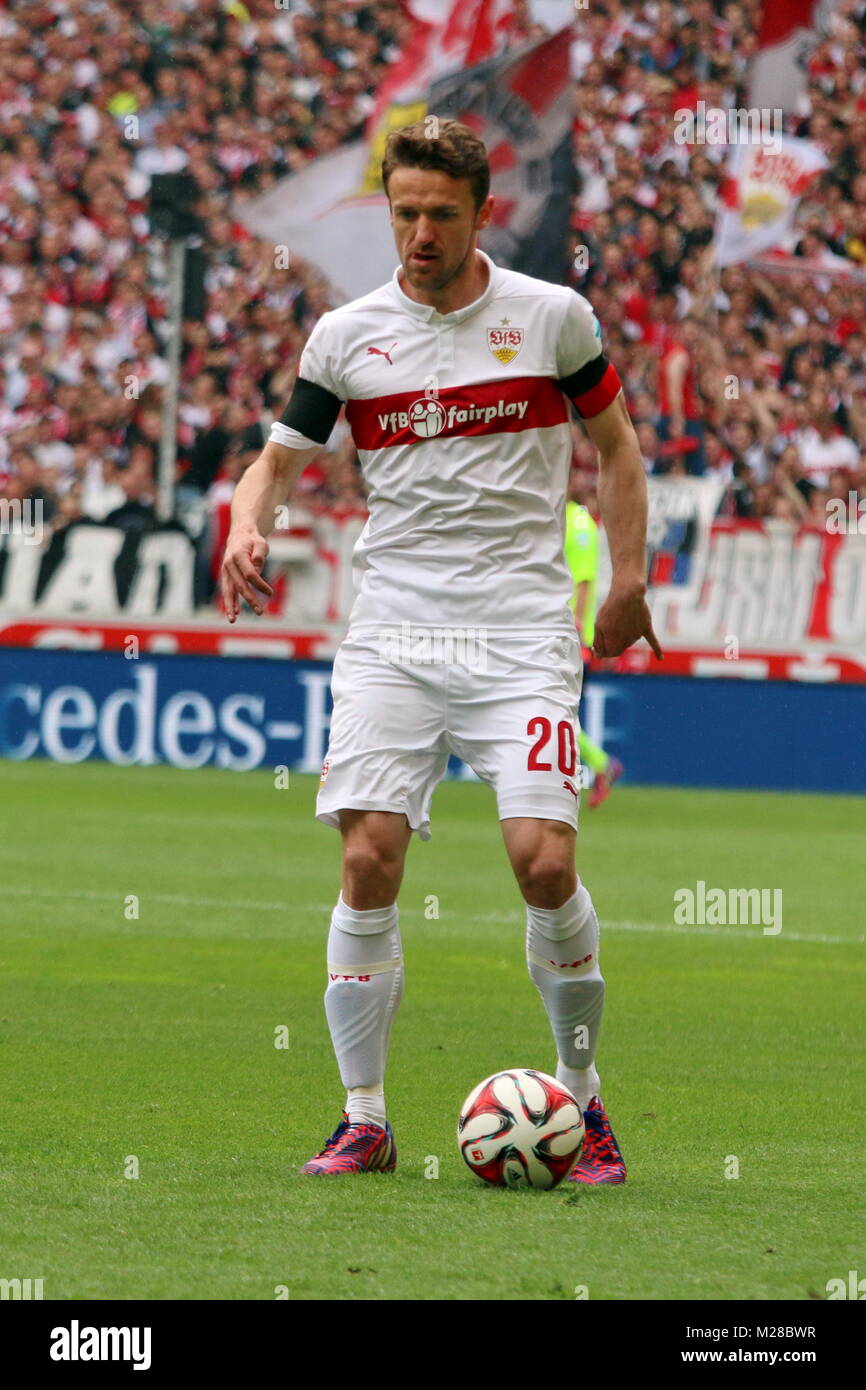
column 325, row 909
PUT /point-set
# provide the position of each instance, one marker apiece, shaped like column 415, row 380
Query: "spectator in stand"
column 235, row 436
column 817, row 514
column 27, row 483
column 824, row 448
column 743, row 442
column 740, row 499
column 679, row 404
column 101, row 493
column 647, row 438
column 840, row 484
column 719, row 462
column 137, row 511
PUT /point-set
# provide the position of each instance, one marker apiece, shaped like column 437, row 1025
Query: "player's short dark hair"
column 439, row 144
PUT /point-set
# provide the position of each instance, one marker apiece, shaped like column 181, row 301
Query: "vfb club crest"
column 505, row 342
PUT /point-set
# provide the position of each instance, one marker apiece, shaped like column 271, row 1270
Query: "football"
column 520, row 1128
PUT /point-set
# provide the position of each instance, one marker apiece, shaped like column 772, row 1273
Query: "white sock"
column 365, row 1105
column 562, row 955
column 583, row 1085
column 365, row 985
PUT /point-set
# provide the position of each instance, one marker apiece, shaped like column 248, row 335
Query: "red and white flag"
column 446, row 35
column 526, row 127
column 334, row 213
column 789, row 31
column 823, row 268
column 763, row 187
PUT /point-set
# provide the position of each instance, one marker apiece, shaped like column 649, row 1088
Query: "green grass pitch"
column 150, row 1042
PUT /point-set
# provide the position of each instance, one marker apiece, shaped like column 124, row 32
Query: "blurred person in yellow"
column 581, row 554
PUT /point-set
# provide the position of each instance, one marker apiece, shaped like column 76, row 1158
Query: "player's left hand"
column 622, row 619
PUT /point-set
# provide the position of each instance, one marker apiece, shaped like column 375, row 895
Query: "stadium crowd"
column 96, row 97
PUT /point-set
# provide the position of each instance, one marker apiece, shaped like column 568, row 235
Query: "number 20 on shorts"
column 541, row 729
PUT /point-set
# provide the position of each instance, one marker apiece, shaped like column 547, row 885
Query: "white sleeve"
column 579, row 338
column 320, row 358
column 309, row 408
column 290, row 439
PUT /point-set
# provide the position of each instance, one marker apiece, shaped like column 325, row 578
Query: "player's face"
column 435, row 223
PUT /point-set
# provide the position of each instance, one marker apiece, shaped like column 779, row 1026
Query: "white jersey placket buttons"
column 445, row 346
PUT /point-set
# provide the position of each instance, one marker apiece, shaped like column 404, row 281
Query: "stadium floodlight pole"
column 173, row 219
column 171, row 389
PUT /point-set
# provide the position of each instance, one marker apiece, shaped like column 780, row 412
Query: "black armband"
column 592, row 387
column 312, row 411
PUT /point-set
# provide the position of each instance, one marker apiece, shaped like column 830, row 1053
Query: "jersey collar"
column 431, row 315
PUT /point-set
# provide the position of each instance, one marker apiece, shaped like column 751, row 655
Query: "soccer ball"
column 521, row 1128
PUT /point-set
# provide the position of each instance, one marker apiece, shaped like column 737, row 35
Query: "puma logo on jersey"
column 380, row 352
column 568, row 786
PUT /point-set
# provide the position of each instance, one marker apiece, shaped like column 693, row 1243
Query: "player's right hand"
column 241, row 577
column 623, row 618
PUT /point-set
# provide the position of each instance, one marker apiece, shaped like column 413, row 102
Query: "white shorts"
column 507, row 707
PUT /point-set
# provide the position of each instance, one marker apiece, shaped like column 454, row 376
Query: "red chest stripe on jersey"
column 598, row 398
column 488, row 407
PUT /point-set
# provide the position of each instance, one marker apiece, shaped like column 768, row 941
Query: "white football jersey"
column 461, row 422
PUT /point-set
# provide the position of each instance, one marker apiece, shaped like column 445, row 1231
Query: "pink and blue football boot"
column 355, row 1148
